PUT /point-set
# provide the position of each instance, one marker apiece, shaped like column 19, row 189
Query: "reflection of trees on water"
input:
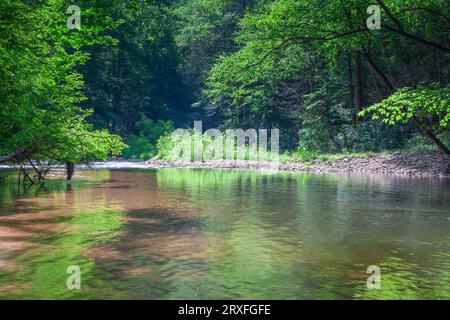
column 314, row 236
column 47, row 234
column 228, row 234
column 405, row 279
column 43, row 236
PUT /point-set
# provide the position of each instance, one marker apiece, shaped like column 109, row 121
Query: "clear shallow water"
column 210, row 234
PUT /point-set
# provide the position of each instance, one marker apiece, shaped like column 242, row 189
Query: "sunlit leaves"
column 422, row 102
column 41, row 94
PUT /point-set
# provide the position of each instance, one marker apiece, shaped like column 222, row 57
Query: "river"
column 225, row 234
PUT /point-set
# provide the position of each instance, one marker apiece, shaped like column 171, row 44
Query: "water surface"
column 224, row 234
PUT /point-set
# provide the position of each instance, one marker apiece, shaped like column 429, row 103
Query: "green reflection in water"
column 198, row 234
column 44, row 268
column 246, row 258
column 402, row 279
column 303, row 236
column 41, row 271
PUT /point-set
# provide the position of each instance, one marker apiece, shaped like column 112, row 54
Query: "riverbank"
column 423, row 165
column 426, row 165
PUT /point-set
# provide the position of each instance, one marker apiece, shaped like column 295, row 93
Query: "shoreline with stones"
column 398, row 164
column 419, row 165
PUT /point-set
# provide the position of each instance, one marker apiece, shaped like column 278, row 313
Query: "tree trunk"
column 416, row 121
column 70, row 169
column 432, row 137
column 334, row 144
column 351, row 86
column 380, row 73
column 358, row 84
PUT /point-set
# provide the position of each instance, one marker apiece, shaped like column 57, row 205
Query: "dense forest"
column 136, row 69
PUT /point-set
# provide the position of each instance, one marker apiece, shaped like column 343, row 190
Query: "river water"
column 225, row 234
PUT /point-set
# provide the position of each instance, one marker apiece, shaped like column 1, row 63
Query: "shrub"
column 144, row 145
column 172, row 146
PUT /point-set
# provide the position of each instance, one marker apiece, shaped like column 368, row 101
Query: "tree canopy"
column 41, row 95
column 136, row 69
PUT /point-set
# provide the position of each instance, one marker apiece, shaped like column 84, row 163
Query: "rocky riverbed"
column 383, row 163
column 426, row 165
column 393, row 164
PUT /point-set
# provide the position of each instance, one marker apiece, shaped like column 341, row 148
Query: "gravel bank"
column 428, row 165
column 383, row 163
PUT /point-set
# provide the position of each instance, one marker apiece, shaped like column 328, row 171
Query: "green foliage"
column 418, row 144
column 323, row 120
column 167, row 144
column 407, row 103
column 428, row 107
column 144, row 145
column 140, row 75
column 41, row 92
column 286, row 64
column 295, row 67
column 206, row 29
column 192, row 146
column 275, row 49
column 174, row 146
